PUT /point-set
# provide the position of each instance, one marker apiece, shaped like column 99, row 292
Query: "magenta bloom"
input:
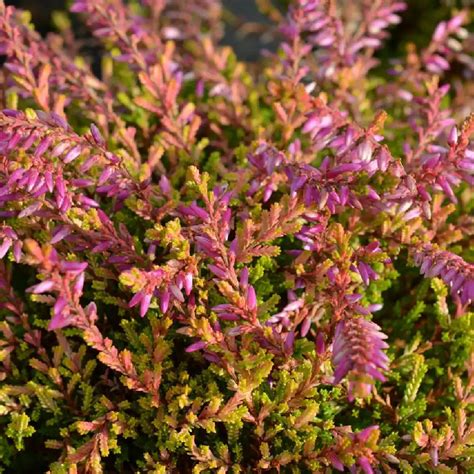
column 452, row 269
column 358, row 352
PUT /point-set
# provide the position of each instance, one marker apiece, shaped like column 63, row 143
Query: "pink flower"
column 358, row 352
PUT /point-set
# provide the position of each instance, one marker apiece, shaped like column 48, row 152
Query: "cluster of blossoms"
column 340, row 43
column 357, row 348
column 452, row 269
column 211, row 266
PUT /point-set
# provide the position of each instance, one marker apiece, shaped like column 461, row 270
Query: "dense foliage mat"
column 211, row 266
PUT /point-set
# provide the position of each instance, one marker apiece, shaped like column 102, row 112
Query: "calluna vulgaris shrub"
column 208, row 266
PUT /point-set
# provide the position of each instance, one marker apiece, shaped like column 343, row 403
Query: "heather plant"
column 212, row 266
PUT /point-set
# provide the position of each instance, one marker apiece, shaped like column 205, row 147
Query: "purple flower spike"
column 358, row 352
column 452, row 269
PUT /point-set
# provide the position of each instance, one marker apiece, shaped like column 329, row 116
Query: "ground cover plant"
column 211, row 266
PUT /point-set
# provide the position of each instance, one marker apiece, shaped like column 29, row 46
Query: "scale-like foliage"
column 209, row 266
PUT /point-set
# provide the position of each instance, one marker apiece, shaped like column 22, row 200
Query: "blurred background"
column 246, row 28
